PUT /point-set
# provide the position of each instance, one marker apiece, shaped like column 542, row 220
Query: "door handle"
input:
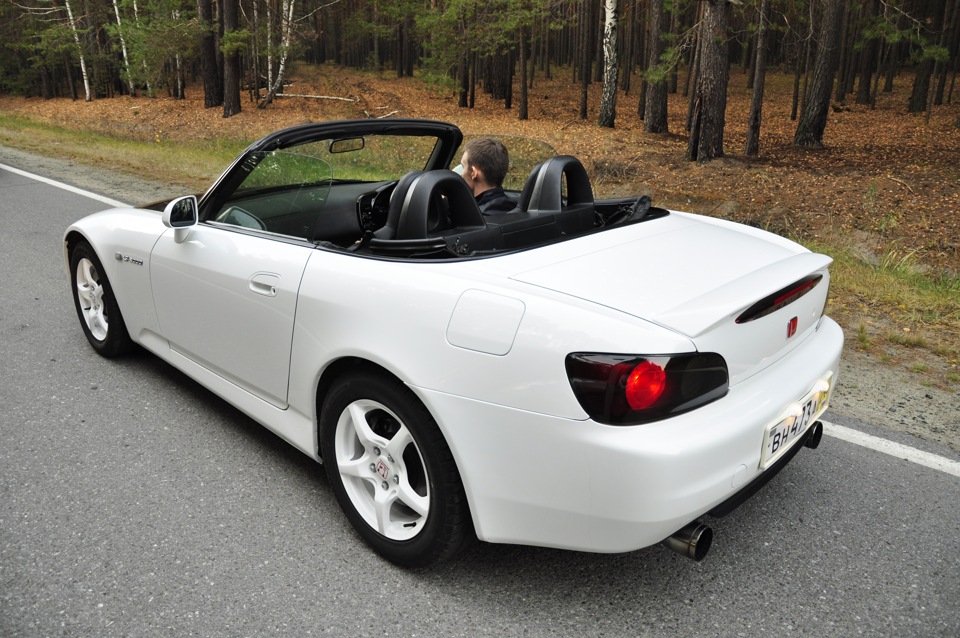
column 264, row 283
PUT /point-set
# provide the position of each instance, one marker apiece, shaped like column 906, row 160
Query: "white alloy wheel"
column 90, row 299
column 96, row 304
column 382, row 470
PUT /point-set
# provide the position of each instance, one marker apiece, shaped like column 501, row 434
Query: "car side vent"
column 779, row 299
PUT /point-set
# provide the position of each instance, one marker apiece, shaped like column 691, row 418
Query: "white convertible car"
column 580, row 373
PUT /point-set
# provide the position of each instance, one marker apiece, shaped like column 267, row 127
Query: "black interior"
column 433, row 214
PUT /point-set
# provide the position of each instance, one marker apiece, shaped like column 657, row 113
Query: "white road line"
column 893, row 449
column 66, row 187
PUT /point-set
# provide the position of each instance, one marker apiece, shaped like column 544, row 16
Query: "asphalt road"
column 135, row 503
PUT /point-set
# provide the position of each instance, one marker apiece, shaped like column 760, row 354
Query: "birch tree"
column 123, row 47
column 608, row 100
column 83, row 62
column 286, row 29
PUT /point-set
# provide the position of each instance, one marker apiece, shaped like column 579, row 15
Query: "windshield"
column 339, row 188
column 371, row 158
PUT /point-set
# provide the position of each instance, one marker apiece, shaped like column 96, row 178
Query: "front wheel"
column 96, row 305
column 392, row 472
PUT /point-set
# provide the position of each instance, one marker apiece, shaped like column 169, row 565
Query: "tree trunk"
column 123, row 48
column 813, row 119
column 231, row 61
column 83, row 62
column 802, row 70
column 868, row 60
column 693, row 72
column 845, row 55
column 212, row 85
column 608, row 101
column 752, row 146
column 710, row 95
column 464, row 80
column 286, row 29
column 522, row 113
column 946, row 36
column 808, row 61
column 585, row 54
column 921, row 87
column 674, row 26
column 655, row 106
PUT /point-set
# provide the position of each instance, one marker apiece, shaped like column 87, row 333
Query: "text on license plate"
column 799, row 416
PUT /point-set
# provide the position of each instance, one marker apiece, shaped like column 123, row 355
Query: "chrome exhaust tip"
column 814, row 436
column 693, row 541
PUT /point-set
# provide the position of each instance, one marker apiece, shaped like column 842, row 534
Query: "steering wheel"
column 373, row 207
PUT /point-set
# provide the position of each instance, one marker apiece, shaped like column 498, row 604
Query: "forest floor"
column 885, row 190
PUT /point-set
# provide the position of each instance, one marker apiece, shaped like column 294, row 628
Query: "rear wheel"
column 392, row 472
column 96, row 305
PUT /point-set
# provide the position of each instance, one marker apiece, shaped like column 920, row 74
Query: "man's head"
column 485, row 162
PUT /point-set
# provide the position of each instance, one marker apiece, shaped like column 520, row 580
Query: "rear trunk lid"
column 731, row 290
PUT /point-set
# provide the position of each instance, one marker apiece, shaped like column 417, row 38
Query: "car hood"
column 692, row 275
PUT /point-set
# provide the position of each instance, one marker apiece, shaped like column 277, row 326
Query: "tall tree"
column 231, row 58
column 656, row 76
column 83, row 61
column 585, row 52
column 869, row 52
column 752, row 146
column 813, row 118
column 523, row 110
column 123, row 48
column 209, row 70
column 926, row 33
column 608, row 100
column 286, row 31
column 710, row 95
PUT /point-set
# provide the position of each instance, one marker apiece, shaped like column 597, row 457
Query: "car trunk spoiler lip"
column 701, row 314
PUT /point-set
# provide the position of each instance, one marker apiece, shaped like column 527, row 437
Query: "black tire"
column 96, row 305
column 404, row 461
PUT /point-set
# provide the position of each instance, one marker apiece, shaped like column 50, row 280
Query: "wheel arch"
column 349, row 365
column 337, row 370
column 70, row 240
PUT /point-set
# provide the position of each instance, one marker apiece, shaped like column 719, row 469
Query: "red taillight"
column 645, row 385
column 624, row 389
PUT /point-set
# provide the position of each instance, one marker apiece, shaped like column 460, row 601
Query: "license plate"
column 794, row 422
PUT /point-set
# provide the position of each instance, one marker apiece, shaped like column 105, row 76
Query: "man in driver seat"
column 485, row 161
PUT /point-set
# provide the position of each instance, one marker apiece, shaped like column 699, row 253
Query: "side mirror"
column 181, row 214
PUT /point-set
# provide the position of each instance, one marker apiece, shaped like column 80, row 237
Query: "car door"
column 226, row 299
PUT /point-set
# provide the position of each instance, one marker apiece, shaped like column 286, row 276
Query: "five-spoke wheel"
column 97, row 308
column 392, row 471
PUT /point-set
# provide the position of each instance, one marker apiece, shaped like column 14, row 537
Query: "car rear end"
column 664, row 437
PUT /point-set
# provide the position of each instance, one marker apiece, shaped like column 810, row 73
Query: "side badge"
column 128, row 259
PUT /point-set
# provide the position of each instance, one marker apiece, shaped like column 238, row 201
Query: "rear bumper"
column 541, row 480
column 810, row 438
